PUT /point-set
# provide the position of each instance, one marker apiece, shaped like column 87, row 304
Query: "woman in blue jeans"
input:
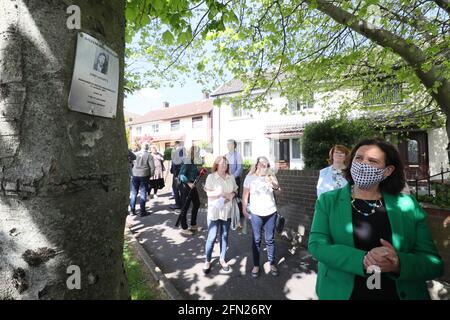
column 221, row 188
column 260, row 184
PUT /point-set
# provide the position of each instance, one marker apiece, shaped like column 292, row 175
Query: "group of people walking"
column 364, row 219
column 226, row 206
column 145, row 169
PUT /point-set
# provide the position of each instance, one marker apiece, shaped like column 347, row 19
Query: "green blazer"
column 331, row 243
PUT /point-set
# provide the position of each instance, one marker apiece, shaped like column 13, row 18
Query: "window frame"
column 172, row 125
column 303, row 103
column 239, row 112
column 153, row 126
column 381, row 97
column 300, row 149
column 139, row 130
column 197, row 122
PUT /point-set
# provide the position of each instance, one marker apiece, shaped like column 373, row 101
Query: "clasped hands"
column 384, row 257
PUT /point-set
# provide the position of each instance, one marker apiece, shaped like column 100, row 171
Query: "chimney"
column 205, row 95
column 165, row 104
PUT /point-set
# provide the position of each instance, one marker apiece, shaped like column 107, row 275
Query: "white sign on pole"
column 95, row 80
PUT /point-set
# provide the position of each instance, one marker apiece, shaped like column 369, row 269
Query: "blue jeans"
column 267, row 223
column 212, row 232
column 139, row 183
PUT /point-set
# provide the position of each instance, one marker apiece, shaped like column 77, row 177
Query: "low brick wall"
column 441, row 235
column 296, row 203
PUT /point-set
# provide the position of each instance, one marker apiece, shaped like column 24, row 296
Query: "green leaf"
column 200, row 67
column 168, row 38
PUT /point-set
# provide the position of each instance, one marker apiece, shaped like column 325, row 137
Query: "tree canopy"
column 299, row 47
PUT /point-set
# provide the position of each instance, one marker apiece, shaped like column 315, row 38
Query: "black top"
column 368, row 229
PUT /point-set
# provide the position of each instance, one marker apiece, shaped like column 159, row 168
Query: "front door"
column 282, row 153
column 413, row 147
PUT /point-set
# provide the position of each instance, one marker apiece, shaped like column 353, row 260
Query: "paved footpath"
column 181, row 259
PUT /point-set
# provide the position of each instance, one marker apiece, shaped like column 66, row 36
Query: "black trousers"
column 186, row 203
column 239, row 195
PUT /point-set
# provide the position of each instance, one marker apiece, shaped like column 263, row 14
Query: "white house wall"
column 252, row 128
column 437, row 141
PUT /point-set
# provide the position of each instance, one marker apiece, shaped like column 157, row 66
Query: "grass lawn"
column 141, row 282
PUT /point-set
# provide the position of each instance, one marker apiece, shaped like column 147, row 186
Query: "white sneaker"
column 155, row 196
column 187, row 232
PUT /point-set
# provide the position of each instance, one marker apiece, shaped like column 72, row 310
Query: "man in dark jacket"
column 143, row 169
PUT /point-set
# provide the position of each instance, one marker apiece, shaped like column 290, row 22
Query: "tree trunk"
column 64, row 182
column 447, row 127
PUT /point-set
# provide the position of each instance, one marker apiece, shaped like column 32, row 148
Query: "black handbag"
column 279, row 225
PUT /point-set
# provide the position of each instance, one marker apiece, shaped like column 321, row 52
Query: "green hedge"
column 168, row 154
column 319, row 137
column 442, row 197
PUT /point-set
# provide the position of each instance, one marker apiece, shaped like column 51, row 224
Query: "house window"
column 244, row 148
column 301, row 104
column 197, row 122
column 413, row 151
column 386, row 94
column 296, row 149
column 247, row 149
column 138, row 131
column 294, row 106
column 238, row 112
column 174, row 125
column 155, row 128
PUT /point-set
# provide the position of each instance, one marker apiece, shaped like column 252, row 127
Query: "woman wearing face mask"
column 370, row 225
column 259, row 185
column 332, row 177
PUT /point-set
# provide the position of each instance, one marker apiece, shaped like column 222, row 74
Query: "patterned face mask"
column 365, row 176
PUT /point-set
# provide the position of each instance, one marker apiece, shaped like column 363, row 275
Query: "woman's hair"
column 254, row 167
column 394, row 183
column 216, row 164
column 337, row 147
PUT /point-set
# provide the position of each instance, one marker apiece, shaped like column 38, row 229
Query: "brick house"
column 190, row 123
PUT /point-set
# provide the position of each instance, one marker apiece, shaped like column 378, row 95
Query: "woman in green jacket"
column 371, row 241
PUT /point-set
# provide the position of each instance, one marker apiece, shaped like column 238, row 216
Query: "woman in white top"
column 331, row 177
column 220, row 188
column 259, row 184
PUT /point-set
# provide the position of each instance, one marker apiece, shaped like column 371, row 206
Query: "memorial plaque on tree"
column 95, row 81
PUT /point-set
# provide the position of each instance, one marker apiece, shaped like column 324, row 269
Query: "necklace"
column 378, row 204
column 373, row 206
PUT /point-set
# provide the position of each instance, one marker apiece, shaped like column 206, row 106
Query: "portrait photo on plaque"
column 101, row 61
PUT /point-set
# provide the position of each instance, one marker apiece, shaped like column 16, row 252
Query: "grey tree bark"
column 64, row 182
